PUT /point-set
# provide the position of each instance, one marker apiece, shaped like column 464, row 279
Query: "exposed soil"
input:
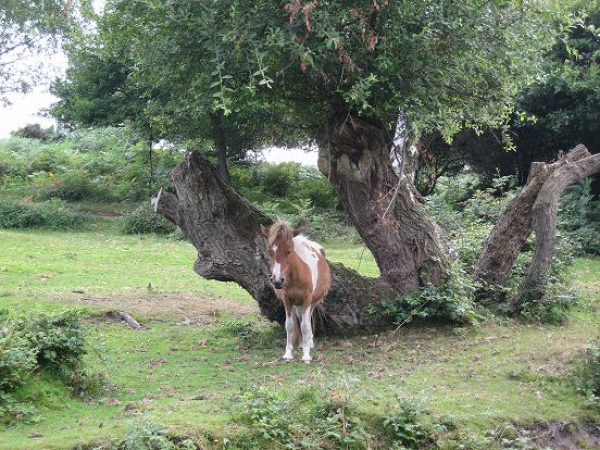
column 563, row 436
column 187, row 309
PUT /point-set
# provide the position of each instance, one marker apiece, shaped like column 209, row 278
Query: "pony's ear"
column 297, row 232
column 265, row 230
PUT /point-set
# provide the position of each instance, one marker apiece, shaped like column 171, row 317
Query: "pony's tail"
column 318, row 316
column 297, row 317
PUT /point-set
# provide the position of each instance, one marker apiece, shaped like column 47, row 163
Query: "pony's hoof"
column 306, row 361
column 285, row 358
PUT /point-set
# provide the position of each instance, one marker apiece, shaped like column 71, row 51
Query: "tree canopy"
column 443, row 64
column 27, row 27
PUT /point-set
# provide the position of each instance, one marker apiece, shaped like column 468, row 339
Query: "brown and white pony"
column 301, row 278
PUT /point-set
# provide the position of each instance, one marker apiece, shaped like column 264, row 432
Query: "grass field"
column 187, row 369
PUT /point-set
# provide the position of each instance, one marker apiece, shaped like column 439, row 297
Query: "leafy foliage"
column 151, row 437
column 564, row 105
column 28, row 27
column 580, row 218
column 285, row 182
column 104, row 164
column 452, row 302
column 145, row 220
column 588, row 373
column 50, row 343
column 52, row 214
column 406, row 430
column 330, row 420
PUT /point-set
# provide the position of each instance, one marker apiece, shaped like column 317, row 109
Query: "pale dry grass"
column 185, row 308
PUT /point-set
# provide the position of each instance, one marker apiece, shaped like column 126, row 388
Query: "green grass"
column 480, row 377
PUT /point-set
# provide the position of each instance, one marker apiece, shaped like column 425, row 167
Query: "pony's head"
column 280, row 248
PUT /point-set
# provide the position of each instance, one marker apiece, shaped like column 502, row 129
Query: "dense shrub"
column 104, row 164
column 58, row 341
column 284, row 184
column 145, row 220
column 151, row 437
column 51, row 343
column 406, row 429
column 328, row 419
column 17, row 360
column 52, row 214
column 71, row 186
column 452, row 302
column 588, row 373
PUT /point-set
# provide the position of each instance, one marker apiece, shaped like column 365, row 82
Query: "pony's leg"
column 307, row 336
column 290, row 325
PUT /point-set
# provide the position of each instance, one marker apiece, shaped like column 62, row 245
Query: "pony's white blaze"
column 276, row 266
column 277, row 271
column 309, row 252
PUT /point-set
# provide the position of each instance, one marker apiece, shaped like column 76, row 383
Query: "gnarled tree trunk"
column 225, row 229
column 515, row 225
column 409, row 248
column 544, row 212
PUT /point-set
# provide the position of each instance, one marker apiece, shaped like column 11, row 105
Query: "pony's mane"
column 280, row 230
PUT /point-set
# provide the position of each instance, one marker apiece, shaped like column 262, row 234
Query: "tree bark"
column 544, row 212
column 515, row 225
column 225, row 229
column 219, row 140
column 411, row 250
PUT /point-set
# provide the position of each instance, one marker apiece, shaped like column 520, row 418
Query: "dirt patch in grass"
column 186, row 309
column 562, row 436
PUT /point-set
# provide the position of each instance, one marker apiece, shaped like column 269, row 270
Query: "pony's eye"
column 289, row 252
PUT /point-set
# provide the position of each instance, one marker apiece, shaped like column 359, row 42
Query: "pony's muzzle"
column 278, row 284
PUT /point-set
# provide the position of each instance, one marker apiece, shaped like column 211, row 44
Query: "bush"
column 71, row 186
column 52, row 214
column 51, row 343
column 151, row 437
column 106, row 164
column 406, row 431
column 329, row 420
column 144, row 220
column 588, row 373
column 57, row 339
column 453, row 302
column 285, row 184
column 17, row 360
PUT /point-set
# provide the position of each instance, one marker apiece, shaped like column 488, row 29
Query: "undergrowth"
column 452, row 302
column 588, row 374
column 53, row 214
column 144, row 220
column 32, row 345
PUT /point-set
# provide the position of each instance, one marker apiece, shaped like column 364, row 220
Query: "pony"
column 301, row 278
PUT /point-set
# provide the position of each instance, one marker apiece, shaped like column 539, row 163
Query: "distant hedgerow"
column 53, row 214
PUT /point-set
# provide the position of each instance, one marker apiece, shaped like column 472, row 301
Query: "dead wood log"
column 130, row 320
column 225, row 229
